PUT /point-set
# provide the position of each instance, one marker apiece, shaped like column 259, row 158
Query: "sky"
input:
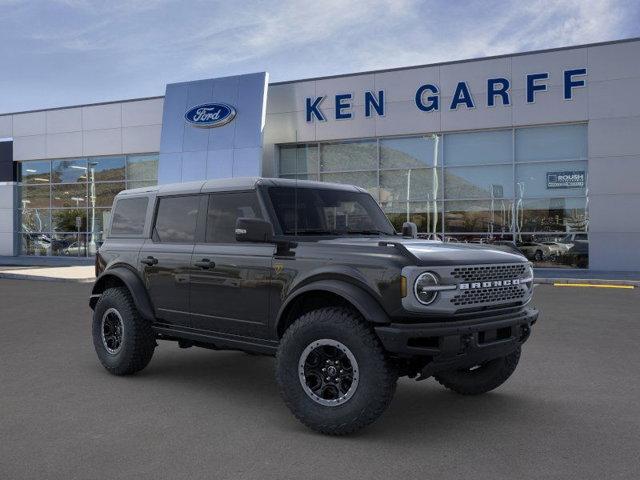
column 69, row 52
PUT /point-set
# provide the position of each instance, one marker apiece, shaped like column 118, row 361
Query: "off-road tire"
column 483, row 379
column 138, row 340
column 377, row 377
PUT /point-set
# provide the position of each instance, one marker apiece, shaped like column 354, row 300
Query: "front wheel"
column 480, row 378
column 333, row 373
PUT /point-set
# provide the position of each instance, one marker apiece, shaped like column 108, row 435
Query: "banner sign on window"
column 569, row 179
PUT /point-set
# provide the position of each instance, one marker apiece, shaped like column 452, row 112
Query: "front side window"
column 129, row 216
column 310, row 211
column 176, row 219
column 223, row 212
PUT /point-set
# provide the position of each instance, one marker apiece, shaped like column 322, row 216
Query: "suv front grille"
column 490, row 272
column 489, row 295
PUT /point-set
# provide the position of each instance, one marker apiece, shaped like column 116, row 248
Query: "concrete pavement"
column 570, row 411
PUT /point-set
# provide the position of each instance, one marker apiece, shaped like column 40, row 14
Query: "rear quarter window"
column 129, row 216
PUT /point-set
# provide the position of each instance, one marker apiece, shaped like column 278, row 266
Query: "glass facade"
column 65, row 203
column 522, row 188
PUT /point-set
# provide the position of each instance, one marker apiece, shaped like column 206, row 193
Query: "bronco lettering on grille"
column 492, row 283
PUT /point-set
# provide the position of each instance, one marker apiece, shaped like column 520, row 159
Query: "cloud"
column 124, row 48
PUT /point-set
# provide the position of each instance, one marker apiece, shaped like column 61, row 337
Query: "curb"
column 20, row 276
column 586, row 281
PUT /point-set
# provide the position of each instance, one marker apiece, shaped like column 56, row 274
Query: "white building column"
column 8, row 193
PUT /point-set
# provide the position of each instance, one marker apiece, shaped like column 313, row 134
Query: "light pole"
column 92, row 200
column 436, row 141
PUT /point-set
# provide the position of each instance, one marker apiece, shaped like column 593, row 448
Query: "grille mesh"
column 489, row 295
column 489, row 272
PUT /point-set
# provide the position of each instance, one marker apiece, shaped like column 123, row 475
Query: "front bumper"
column 450, row 345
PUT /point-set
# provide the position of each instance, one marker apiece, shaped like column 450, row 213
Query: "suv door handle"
column 149, row 260
column 205, row 264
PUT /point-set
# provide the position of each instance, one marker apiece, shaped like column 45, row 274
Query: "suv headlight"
column 426, row 288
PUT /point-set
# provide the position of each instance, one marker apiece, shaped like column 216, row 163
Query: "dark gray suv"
column 314, row 274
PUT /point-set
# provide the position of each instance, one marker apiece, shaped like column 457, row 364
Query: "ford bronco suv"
column 314, row 274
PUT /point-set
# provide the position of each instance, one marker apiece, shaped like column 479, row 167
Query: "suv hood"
column 433, row 252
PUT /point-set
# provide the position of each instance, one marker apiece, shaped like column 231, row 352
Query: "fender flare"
column 133, row 283
column 367, row 305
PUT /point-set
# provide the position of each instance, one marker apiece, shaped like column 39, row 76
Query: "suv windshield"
column 323, row 211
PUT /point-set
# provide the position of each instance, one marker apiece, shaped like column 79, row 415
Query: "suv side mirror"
column 253, row 230
column 409, row 230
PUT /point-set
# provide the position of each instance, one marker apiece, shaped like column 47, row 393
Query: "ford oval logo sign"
column 210, row 115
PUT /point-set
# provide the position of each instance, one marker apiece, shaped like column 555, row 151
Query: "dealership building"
column 541, row 149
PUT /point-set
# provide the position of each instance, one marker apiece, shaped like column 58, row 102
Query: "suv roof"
column 231, row 184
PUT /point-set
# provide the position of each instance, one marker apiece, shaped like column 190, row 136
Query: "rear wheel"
column 122, row 339
column 333, row 373
column 480, row 378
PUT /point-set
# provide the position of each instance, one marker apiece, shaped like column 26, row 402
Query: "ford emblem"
column 210, row 115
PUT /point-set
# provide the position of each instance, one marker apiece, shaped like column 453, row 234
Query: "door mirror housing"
column 254, row 230
column 409, row 230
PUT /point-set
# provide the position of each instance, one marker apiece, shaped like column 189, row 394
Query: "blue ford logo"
column 210, row 115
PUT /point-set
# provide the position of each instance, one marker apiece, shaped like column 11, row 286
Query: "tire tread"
column 346, row 320
column 141, row 335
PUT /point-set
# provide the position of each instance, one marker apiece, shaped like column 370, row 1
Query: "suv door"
column 165, row 259
column 230, row 281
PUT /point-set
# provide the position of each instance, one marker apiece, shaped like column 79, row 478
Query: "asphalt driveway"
column 571, row 410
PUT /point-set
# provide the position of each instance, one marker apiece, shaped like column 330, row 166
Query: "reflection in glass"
column 570, row 250
column 75, row 188
column 531, row 179
column 69, row 195
column 69, row 171
column 479, row 182
column 489, row 196
column 142, row 167
column 500, row 241
column 426, row 215
column 65, row 220
column 94, row 243
column 347, row 156
column 413, row 184
column 298, row 159
column 106, row 192
column 38, row 244
column 69, row 245
column 366, row 180
column 35, row 220
column 490, row 216
column 552, row 215
column 558, row 142
column 106, row 169
column 35, row 172
column 131, row 185
column 34, row 196
column 412, row 152
column 478, row 148
column 100, row 219
column 302, row 176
